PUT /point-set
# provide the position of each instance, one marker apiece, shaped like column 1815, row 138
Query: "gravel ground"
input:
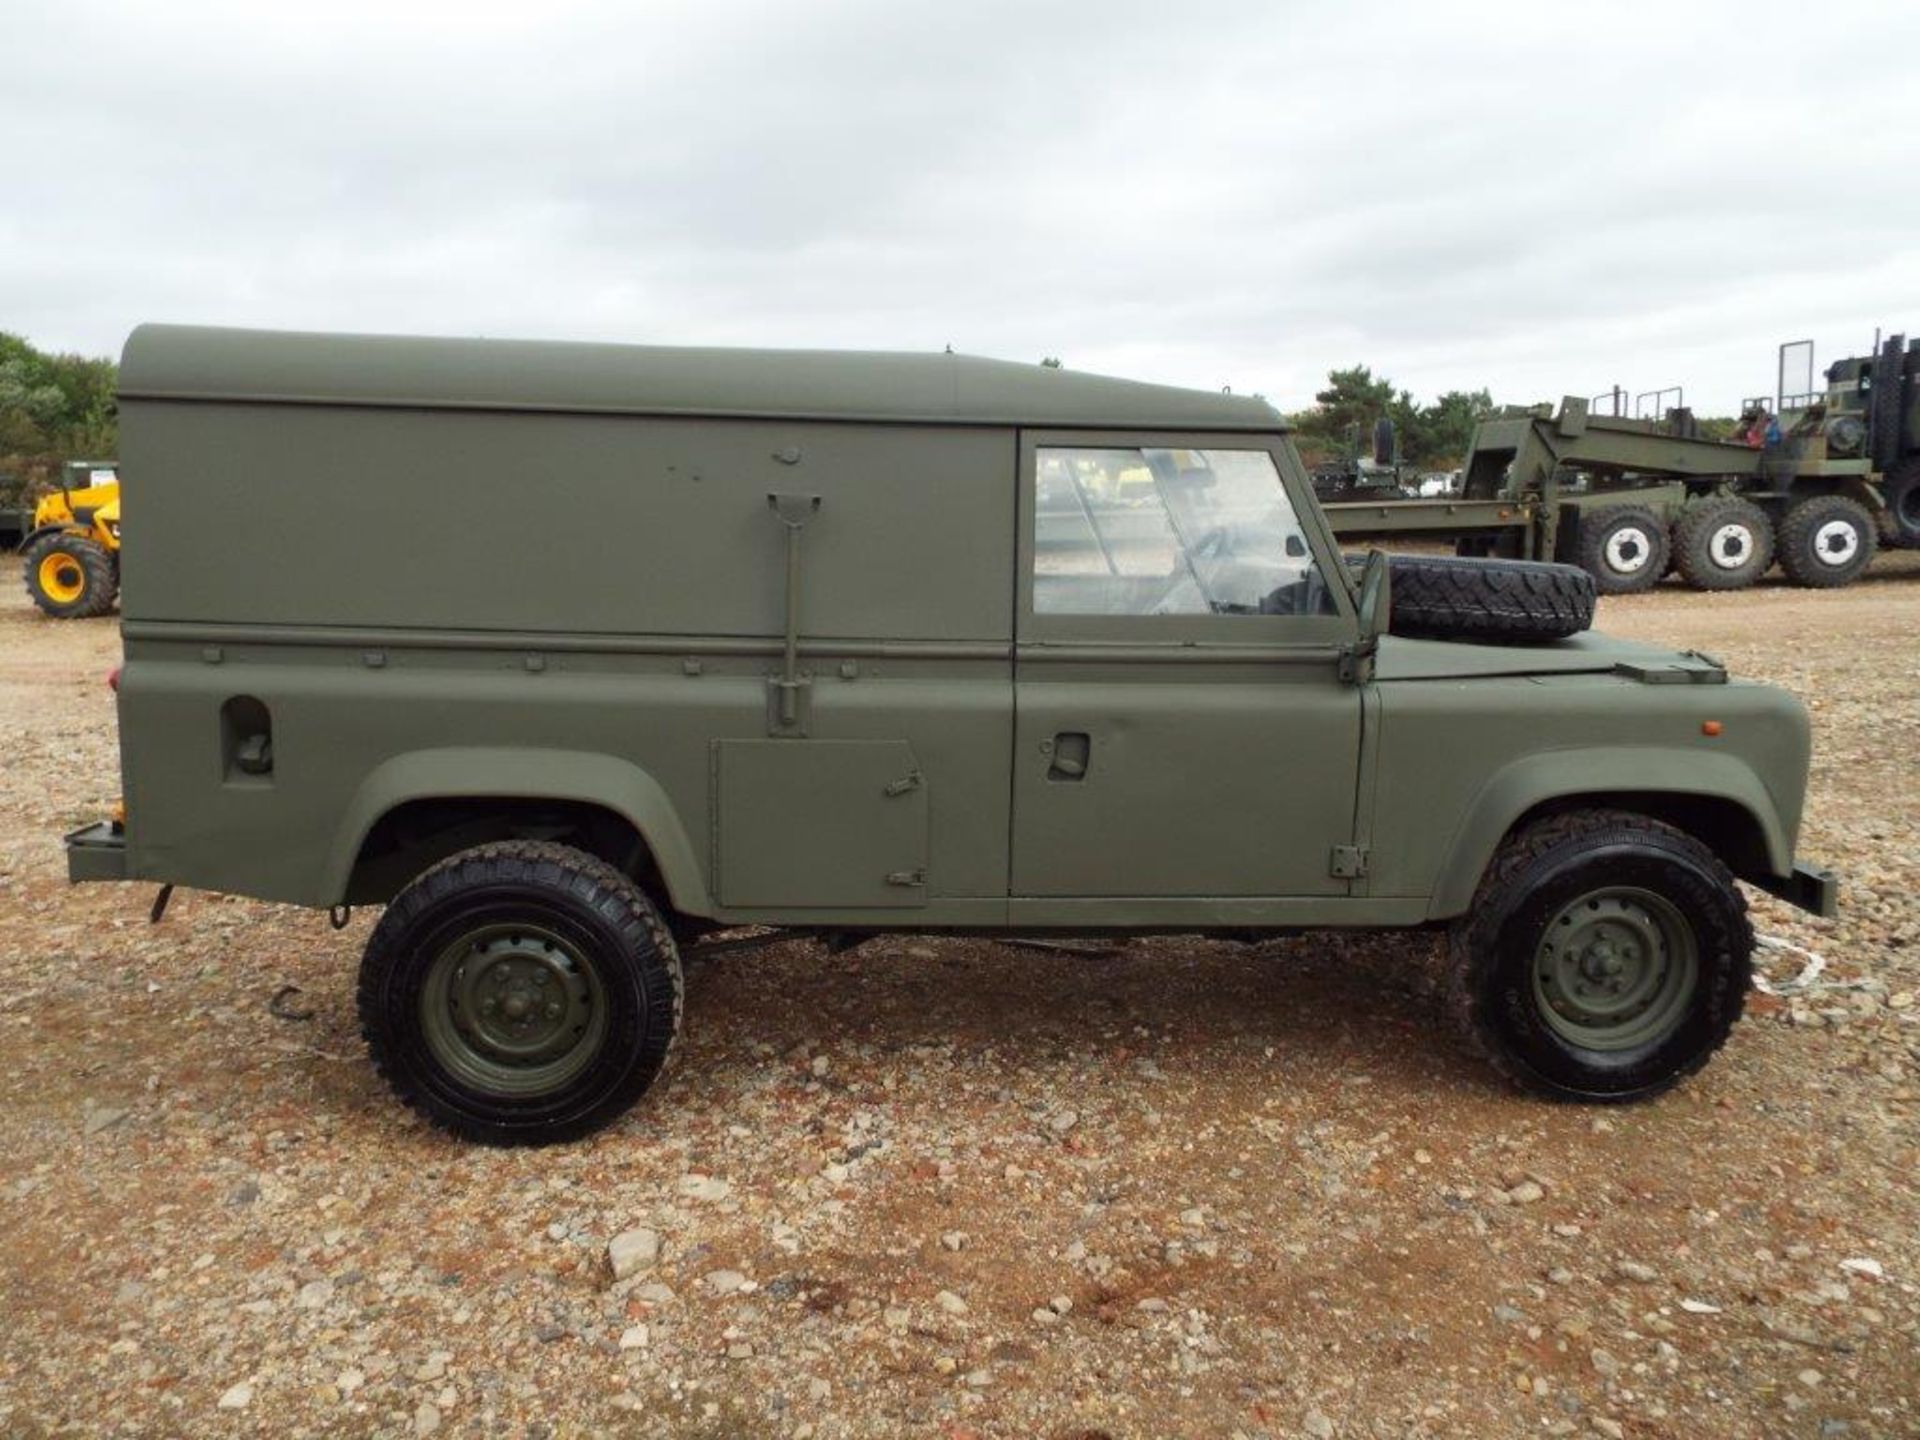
column 961, row 1189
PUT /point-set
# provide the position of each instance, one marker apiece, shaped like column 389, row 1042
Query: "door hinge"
column 908, row 878
column 1356, row 662
column 1348, row 862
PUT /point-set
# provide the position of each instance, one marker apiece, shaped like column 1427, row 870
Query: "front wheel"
column 520, row 993
column 1605, row 958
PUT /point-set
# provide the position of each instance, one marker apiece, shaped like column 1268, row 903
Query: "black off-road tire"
column 1625, row 548
column 1510, row 601
column 1725, row 543
column 593, row 914
column 1536, row 875
column 95, row 575
column 1888, row 411
column 1826, row 541
column 1900, row 521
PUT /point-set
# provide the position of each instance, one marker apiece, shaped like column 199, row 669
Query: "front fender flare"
column 61, row 527
column 1594, row 773
column 583, row 776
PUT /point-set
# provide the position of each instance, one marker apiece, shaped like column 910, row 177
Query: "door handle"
column 1072, row 752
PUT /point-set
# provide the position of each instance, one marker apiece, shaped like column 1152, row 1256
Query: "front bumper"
column 97, row 852
column 1809, row 888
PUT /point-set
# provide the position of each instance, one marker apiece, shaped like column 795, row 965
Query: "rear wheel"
column 1723, row 544
column 1605, row 958
column 70, row 576
column 521, row 993
column 1624, row 547
column 1901, row 520
column 1827, row 540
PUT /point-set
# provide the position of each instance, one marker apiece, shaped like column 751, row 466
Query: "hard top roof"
column 206, row 363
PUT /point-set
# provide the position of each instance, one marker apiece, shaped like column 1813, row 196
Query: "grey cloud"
column 1537, row 198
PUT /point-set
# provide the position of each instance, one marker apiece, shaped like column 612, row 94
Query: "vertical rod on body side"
column 791, row 671
column 793, row 511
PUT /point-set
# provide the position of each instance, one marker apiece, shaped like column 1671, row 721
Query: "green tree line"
column 53, row 408
column 1432, row 436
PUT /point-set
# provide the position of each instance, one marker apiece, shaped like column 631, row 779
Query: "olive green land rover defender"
column 649, row 645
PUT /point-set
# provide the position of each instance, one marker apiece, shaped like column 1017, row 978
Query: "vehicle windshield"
column 1170, row 532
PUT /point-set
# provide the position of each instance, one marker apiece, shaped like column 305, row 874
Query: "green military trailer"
column 1815, row 480
column 843, row 644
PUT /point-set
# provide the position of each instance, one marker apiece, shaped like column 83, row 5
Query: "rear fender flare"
column 586, row 777
column 1592, row 774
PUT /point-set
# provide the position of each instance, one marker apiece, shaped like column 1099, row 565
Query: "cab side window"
column 1168, row 532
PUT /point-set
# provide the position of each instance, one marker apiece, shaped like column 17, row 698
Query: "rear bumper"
column 97, row 852
column 1809, row 888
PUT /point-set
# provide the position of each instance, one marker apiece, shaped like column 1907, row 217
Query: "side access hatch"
column 814, row 823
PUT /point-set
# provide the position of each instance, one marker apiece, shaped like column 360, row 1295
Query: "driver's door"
column 1181, row 727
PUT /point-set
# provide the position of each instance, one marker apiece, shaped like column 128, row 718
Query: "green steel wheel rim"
column 1616, row 969
column 514, row 1011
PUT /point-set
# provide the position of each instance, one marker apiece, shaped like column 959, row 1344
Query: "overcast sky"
column 1539, row 197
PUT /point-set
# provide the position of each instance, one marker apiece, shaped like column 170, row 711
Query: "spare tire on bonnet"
column 1445, row 597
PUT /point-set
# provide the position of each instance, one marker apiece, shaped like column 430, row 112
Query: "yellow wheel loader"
column 72, row 551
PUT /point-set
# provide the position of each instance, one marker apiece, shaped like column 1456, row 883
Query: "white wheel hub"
column 1629, row 550
column 1835, row 543
column 1730, row 546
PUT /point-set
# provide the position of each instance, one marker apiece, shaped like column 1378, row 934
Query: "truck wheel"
column 1901, row 521
column 1516, row 601
column 520, row 993
column 1624, row 547
column 1826, row 540
column 70, row 576
column 1723, row 544
column 1605, row 958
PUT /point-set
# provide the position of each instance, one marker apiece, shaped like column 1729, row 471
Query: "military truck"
column 1375, row 475
column 1814, row 479
column 809, row 669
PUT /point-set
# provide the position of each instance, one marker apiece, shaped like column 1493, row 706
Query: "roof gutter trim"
column 1146, row 420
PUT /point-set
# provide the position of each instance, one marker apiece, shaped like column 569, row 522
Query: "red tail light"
column 113, row 680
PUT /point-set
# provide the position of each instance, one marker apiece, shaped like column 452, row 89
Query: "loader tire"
column 1514, row 602
column 1625, row 548
column 1723, row 544
column 70, row 576
column 1827, row 541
